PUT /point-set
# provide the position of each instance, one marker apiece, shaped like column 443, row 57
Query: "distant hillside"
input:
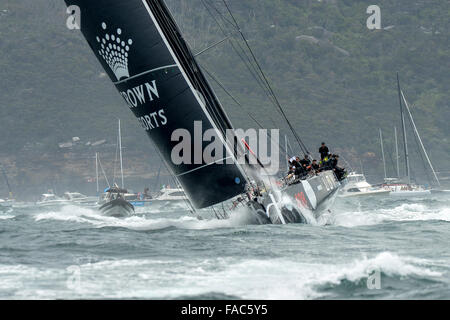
column 335, row 78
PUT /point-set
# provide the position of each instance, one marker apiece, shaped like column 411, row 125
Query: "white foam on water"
column 138, row 222
column 247, row 279
column 70, row 213
column 182, row 220
column 403, row 212
column 284, row 279
column 6, row 216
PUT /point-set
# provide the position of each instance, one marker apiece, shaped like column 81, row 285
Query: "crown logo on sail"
column 114, row 50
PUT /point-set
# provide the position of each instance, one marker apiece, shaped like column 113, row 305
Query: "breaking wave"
column 6, row 216
column 404, row 212
column 148, row 221
column 246, row 279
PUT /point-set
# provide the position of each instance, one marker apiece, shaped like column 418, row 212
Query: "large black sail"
column 140, row 47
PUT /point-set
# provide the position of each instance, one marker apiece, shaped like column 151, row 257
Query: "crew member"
column 326, row 162
column 314, row 166
column 147, row 194
column 295, row 162
column 333, row 161
column 323, row 150
column 340, row 172
column 305, row 162
column 300, row 170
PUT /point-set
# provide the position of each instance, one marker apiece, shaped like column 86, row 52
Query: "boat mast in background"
column 405, row 142
column 287, row 154
column 382, row 153
column 120, row 154
column 96, row 173
column 397, row 157
column 7, row 182
column 103, row 171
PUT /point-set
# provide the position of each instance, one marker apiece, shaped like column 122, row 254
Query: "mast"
column 405, row 142
column 103, row 171
column 96, row 172
column 7, row 182
column 382, row 153
column 120, row 154
column 156, row 188
column 287, row 156
column 396, row 152
column 420, row 140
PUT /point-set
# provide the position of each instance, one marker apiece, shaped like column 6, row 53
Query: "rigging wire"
column 115, row 161
column 247, row 60
column 260, row 73
column 299, row 141
column 219, row 83
column 421, row 156
column 245, row 57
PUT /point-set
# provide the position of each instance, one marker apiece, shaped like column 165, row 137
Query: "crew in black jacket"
column 305, row 162
column 323, row 151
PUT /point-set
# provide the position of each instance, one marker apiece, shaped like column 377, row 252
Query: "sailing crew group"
column 305, row 167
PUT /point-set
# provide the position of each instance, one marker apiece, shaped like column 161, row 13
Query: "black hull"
column 117, row 208
column 297, row 203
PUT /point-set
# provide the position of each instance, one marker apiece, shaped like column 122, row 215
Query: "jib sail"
column 140, row 47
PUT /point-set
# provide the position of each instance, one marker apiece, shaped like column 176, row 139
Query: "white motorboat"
column 79, row 198
column 167, row 196
column 51, row 200
column 357, row 185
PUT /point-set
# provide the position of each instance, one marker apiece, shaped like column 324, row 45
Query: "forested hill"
column 334, row 77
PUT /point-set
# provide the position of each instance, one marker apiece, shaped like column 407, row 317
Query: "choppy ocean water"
column 371, row 248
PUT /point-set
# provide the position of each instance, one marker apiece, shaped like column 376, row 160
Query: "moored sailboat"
column 114, row 200
column 115, row 204
column 404, row 187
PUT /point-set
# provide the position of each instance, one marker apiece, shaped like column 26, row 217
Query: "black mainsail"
column 140, row 47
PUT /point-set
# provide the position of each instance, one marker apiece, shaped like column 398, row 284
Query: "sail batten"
column 141, row 49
